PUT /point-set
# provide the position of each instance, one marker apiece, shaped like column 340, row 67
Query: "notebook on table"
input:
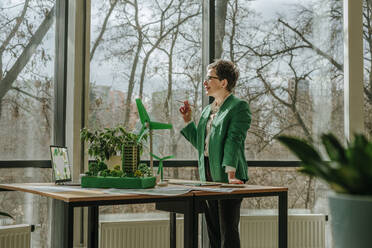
column 61, row 166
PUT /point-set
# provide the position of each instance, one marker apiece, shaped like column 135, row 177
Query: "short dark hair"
column 226, row 70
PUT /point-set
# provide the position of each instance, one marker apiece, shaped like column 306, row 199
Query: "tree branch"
column 11, row 76
column 103, row 29
column 316, row 49
column 14, row 30
column 40, row 99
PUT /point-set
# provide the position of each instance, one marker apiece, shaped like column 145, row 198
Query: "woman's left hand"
column 235, row 181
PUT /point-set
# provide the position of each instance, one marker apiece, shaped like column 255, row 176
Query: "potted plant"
column 106, row 145
column 348, row 171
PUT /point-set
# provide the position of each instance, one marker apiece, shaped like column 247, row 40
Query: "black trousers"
column 222, row 217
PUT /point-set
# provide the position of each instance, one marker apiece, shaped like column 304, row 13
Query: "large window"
column 290, row 53
column 26, row 78
column 149, row 50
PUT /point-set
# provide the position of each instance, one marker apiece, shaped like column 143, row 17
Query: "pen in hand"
column 191, row 105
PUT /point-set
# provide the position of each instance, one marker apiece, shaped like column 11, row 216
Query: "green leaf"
column 107, row 142
column 350, row 168
column 304, row 151
column 335, row 150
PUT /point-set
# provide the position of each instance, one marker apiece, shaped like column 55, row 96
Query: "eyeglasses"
column 209, row 78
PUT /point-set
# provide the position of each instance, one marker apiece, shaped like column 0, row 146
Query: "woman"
column 219, row 139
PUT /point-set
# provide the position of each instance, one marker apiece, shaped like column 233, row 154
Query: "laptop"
column 61, row 166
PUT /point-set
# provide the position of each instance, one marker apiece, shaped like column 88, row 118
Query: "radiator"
column 304, row 231
column 15, row 236
column 138, row 234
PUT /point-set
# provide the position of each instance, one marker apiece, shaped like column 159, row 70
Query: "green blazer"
column 226, row 143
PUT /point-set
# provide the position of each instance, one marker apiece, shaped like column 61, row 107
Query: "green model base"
column 118, row 182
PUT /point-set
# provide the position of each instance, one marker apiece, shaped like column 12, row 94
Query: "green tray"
column 118, row 182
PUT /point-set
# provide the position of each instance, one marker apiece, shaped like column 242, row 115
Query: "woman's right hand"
column 185, row 111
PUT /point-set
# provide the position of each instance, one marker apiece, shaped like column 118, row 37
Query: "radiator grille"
column 138, row 234
column 304, row 231
column 15, row 236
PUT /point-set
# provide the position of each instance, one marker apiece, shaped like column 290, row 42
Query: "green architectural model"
column 130, row 157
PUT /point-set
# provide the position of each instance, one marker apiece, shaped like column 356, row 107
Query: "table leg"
column 283, row 219
column 93, row 213
column 69, row 225
column 62, row 225
column 190, row 225
column 172, row 229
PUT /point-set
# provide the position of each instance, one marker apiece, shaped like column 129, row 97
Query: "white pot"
column 351, row 220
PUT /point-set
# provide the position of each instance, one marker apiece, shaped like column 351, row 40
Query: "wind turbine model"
column 160, row 169
column 148, row 126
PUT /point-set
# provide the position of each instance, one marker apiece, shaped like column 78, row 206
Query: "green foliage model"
column 101, row 169
column 107, row 142
column 145, row 170
column 95, row 168
column 347, row 169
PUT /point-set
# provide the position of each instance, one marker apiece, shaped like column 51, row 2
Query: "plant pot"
column 118, row 182
column 351, row 220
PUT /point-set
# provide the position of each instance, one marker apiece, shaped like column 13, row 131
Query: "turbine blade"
column 144, row 117
column 158, row 125
column 153, row 155
column 167, row 157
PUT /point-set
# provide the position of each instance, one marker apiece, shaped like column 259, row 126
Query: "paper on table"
column 226, row 185
column 192, row 182
column 168, row 191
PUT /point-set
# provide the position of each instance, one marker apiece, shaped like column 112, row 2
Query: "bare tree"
column 103, row 28
column 220, row 19
column 8, row 76
column 136, row 39
column 163, row 33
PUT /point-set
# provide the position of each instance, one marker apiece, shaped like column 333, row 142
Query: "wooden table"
column 200, row 196
column 64, row 203
column 189, row 204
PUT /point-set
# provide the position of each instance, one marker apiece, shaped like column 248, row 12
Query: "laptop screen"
column 61, row 164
